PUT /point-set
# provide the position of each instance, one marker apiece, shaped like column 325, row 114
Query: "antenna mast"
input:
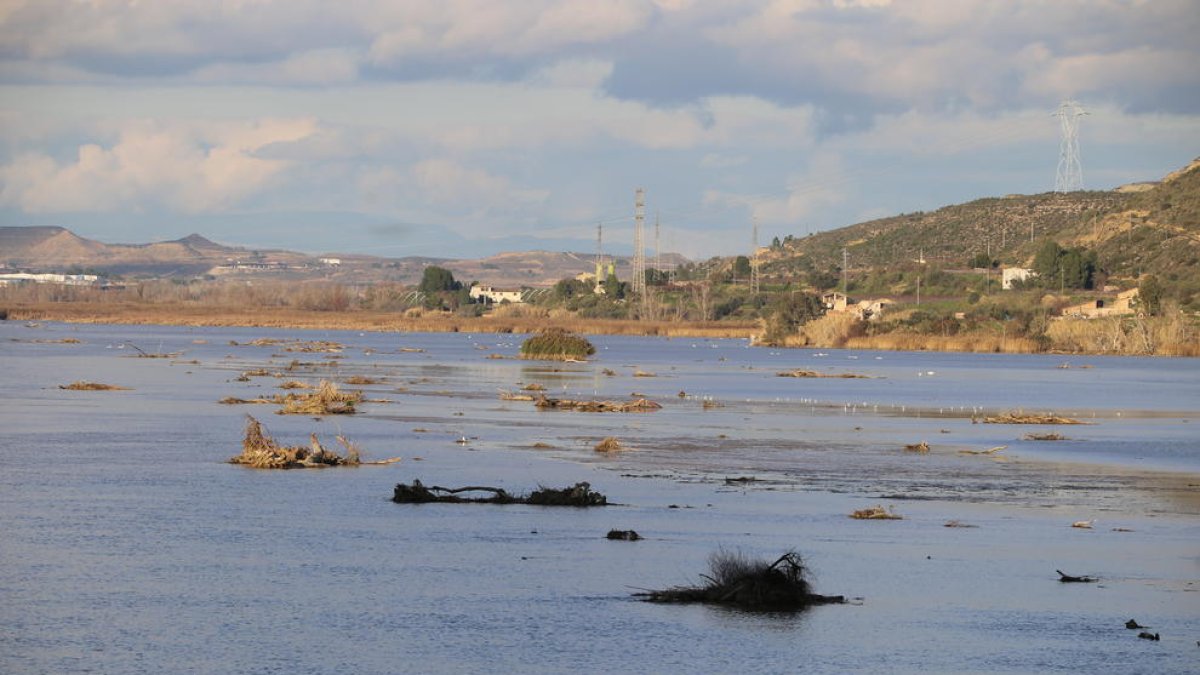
column 657, row 247
column 1069, row 177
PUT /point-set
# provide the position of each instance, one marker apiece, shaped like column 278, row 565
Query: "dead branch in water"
column 1045, row 437
column 737, row 581
column 609, row 444
column 921, row 447
column 580, row 494
column 1070, row 578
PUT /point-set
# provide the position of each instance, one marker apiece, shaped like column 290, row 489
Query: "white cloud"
column 191, row 168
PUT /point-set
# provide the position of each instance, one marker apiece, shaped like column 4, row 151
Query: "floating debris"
column 1132, row 624
column 737, row 581
column 261, row 451
column 1149, row 636
column 1045, row 437
column 609, row 444
column 643, row 373
column 636, row 405
column 362, row 379
column 1029, row 418
column 92, row 386
column 326, row 400
column 1083, row 524
column 580, row 494
column 921, row 447
column 813, row 373
column 876, row 513
column 534, row 386
column 623, row 535
column 957, row 523
column 989, row 451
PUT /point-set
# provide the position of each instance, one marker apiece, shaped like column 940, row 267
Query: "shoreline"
column 511, row 322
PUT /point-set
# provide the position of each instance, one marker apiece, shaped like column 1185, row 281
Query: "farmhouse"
column 488, row 294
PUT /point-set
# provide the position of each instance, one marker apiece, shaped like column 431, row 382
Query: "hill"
column 1152, row 230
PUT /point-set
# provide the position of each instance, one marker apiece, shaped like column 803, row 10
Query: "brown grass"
column 609, row 444
column 419, row 321
column 326, row 400
column 636, row 405
column 1018, row 417
column 876, row 513
column 91, row 386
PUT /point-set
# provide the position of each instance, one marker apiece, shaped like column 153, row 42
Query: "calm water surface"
column 129, row 546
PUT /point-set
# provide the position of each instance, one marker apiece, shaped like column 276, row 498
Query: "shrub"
column 556, row 344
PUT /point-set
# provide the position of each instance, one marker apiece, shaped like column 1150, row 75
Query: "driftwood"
column 921, row 447
column 623, row 535
column 636, row 405
column 1070, row 578
column 736, row 581
column 261, row 451
column 1045, row 437
column 91, row 386
column 580, row 494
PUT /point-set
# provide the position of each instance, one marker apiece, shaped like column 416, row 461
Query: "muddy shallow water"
column 129, row 546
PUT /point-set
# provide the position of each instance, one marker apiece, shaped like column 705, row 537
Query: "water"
column 129, row 546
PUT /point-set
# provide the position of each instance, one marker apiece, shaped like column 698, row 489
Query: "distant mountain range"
column 56, row 249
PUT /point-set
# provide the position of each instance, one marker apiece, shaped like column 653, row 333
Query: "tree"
column 613, row 287
column 982, row 260
column 741, row 267
column 1150, row 294
column 776, row 244
column 437, row 279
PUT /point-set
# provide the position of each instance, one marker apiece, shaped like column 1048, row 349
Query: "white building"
column 1009, row 275
column 62, row 279
column 488, row 294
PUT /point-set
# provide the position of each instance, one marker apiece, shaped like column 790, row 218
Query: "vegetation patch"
column 609, row 444
column 636, row 405
column 326, row 400
column 813, row 373
column 261, row 451
column 91, row 386
column 580, row 494
column 556, row 344
column 1045, row 437
column 876, row 513
column 735, row 580
column 1029, row 418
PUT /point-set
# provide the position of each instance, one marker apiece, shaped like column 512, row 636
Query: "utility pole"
column 754, row 258
column 657, row 248
column 639, row 247
column 845, row 283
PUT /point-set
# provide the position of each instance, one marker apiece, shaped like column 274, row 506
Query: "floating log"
column 91, row 386
column 1149, row 636
column 736, row 581
column 1072, row 579
column 580, row 494
column 623, row 535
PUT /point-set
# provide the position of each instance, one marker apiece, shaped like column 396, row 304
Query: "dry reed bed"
column 1029, row 418
column 876, row 513
column 92, row 386
column 812, row 373
column 261, row 451
column 326, row 399
column 636, row 405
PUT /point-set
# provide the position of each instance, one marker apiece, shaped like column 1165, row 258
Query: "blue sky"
column 461, row 128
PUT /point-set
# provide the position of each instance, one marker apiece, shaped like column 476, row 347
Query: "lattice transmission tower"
column 639, row 243
column 1070, row 171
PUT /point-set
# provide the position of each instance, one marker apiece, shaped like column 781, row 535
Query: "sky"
column 463, row 128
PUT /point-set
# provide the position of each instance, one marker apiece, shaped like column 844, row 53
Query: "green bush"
column 556, row 344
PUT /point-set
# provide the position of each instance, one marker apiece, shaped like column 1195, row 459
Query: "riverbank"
column 1108, row 336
